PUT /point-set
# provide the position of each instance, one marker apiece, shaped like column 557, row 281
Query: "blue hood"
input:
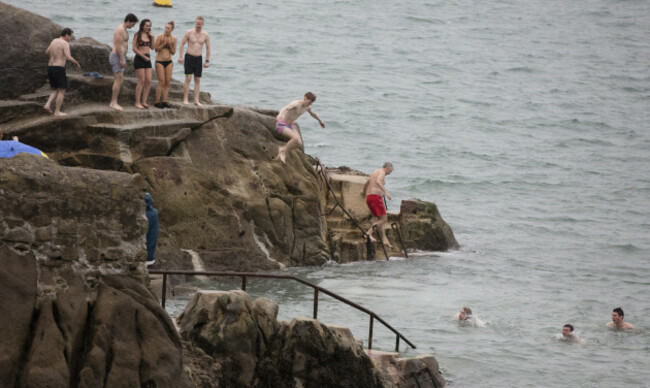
column 148, row 199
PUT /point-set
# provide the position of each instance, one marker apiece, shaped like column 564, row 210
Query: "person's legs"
column 117, row 85
column 186, row 89
column 382, row 232
column 370, row 230
column 197, row 90
column 59, row 102
column 50, row 100
column 160, row 74
column 168, row 79
column 146, row 87
column 294, row 142
column 139, row 73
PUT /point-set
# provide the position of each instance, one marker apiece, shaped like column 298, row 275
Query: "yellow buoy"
column 162, row 3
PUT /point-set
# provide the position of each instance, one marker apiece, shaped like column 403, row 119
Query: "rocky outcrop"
column 253, row 349
column 420, row 224
column 24, row 37
column 75, row 311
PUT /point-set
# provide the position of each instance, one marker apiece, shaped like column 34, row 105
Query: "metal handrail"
column 317, row 290
column 321, row 169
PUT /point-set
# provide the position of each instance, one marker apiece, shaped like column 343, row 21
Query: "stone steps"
column 150, row 128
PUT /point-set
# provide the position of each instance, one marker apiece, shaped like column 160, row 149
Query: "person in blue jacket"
column 152, row 231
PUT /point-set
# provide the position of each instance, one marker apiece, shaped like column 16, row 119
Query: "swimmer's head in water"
column 617, row 315
column 465, row 313
column 567, row 330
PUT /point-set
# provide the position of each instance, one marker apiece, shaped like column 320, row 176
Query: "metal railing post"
column 372, row 318
column 164, row 290
column 243, row 283
column 397, row 343
column 315, row 303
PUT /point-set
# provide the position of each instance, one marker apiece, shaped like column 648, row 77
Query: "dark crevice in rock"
column 56, row 314
column 108, row 363
column 81, row 347
column 27, row 347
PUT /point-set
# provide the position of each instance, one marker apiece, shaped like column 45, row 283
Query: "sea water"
column 526, row 122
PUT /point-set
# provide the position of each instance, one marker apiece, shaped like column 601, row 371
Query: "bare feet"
column 139, row 106
column 197, row 103
column 386, row 243
column 47, row 108
column 116, row 107
column 60, row 114
column 145, row 106
column 372, row 239
column 185, row 102
column 282, row 156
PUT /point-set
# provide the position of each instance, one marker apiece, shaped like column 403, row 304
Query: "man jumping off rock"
column 286, row 118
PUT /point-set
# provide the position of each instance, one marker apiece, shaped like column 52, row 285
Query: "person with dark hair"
column 617, row 320
column 285, row 119
column 117, row 58
column 374, row 190
column 59, row 52
column 193, row 59
column 165, row 48
column 141, row 46
column 152, row 230
column 569, row 335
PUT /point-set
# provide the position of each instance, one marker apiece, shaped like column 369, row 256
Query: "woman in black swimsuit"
column 142, row 42
column 165, row 48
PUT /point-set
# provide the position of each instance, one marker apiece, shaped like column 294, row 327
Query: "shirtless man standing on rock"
column 286, row 118
column 117, row 59
column 373, row 190
column 59, row 52
column 193, row 60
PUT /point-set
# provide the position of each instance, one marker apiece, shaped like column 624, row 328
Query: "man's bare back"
column 58, row 51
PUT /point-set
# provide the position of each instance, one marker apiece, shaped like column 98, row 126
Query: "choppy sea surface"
column 526, row 122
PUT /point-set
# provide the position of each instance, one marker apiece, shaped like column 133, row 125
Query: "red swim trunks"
column 376, row 205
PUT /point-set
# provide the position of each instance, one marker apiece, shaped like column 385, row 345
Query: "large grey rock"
column 24, row 37
column 251, row 349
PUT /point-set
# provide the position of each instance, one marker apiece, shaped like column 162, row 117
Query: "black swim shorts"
column 139, row 63
column 57, row 77
column 193, row 65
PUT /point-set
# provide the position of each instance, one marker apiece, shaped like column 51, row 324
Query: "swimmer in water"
column 569, row 336
column 617, row 320
column 465, row 314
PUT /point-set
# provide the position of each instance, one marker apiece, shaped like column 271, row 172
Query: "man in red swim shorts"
column 373, row 190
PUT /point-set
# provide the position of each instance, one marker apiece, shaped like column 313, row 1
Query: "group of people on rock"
column 165, row 46
column 618, row 322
